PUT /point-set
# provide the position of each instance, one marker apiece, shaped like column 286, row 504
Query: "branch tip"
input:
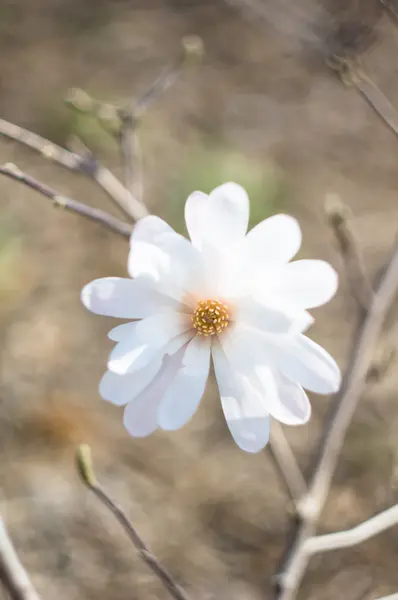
column 84, row 465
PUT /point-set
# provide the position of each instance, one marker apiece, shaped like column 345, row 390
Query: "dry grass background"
column 266, row 109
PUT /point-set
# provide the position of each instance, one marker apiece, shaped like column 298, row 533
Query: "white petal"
column 273, row 241
column 227, row 213
column 121, row 389
column 308, row 283
column 184, row 394
column 150, row 337
column 140, row 415
column 163, row 255
column 123, row 298
column 121, row 332
column 264, row 317
column 244, row 409
column 196, row 217
column 286, row 400
column 306, row 362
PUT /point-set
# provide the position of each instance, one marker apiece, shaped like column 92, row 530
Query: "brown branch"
column 343, row 408
column 70, row 160
column 338, row 216
column 12, row 573
column 285, row 464
column 88, row 477
column 94, row 214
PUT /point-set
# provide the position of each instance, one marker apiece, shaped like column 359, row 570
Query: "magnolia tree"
column 228, row 297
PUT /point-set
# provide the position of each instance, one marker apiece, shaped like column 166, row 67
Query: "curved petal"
column 184, row 394
column 274, row 241
column 306, row 362
column 124, row 298
column 140, row 415
column 244, row 409
column 228, row 214
column 196, row 217
column 163, row 255
column 150, row 337
column 308, row 283
column 267, row 318
column 123, row 331
column 286, row 400
column 121, row 389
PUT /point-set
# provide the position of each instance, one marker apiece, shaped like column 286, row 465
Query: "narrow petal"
column 160, row 253
column 309, row 283
column 140, row 415
column 184, row 394
column 274, row 241
column 228, row 214
column 123, row 331
column 306, row 362
column 123, row 298
column 196, row 217
column 245, row 412
column 286, row 400
column 266, row 318
column 121, row 389
column 150, row 338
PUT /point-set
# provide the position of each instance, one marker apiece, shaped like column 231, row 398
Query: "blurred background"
column 265, row 110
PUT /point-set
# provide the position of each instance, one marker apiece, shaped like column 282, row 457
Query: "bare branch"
column 104, row 178
column 86, row 472
column 94, row 214
column 361, row 289
column 352, row 537
column 12, row 574
column 343, row 408
column 285, row 463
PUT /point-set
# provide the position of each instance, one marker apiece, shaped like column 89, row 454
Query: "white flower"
column 226, row 295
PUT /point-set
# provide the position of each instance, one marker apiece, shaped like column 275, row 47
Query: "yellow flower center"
column 210, row 317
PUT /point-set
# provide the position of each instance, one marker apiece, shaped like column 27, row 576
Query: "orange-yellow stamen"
column 210, row 317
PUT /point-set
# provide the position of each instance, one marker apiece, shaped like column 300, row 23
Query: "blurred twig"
column 343, row 408
column 351, row 537
column 104, row 178
column 94, row 214
column 361, row 288
column 286, row 465
column 12, row 574
column 86, row 472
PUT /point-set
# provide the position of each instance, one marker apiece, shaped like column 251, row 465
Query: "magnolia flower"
column 228, row 296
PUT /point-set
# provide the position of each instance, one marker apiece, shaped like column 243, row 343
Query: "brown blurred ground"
column 216, row 516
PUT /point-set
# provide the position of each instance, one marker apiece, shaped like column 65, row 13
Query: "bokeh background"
column 264, row 110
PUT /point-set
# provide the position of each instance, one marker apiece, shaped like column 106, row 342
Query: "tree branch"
column 286, row 465
column 343, row 408
column 86, row 472
column 12, row 574
column 94, row 214
column 352, row 537
column 70, row 160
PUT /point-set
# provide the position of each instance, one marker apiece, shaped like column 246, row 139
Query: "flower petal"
column 306, row 362
column 140, row 415
column 227, row 214
column 244, row 409
column 308, row 283
column 196, row 217
column 267, row 318
column 121, row 332
column 150, row 338
column 123, row 298
column 286, row 400
column 184, row 394
column 121, row 389
column 274, row 241
column 160, row 253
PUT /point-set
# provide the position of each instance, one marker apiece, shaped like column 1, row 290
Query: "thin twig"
column 343, row 408
column 285, row 463
column 104, row 178
column 360, row 286
column 94, row 214
column 352, row 537
column 85, row 469
column 12, row 573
